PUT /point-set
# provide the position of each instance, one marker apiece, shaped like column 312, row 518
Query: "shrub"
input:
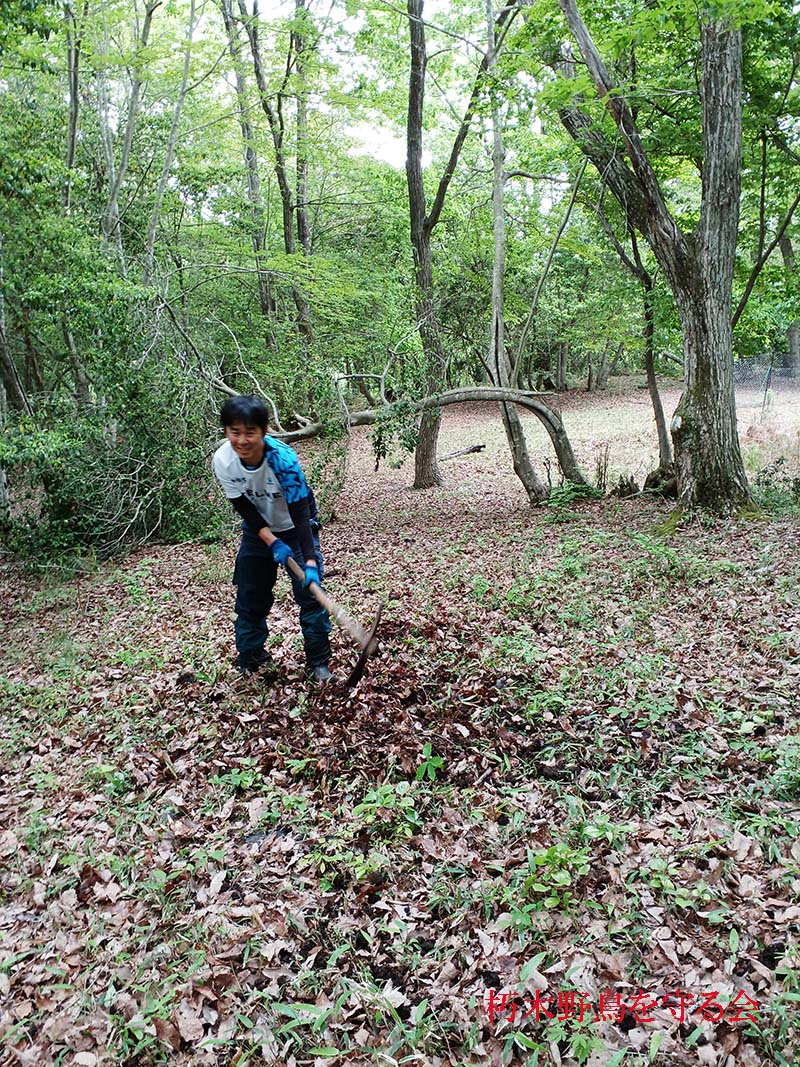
column 89, row 483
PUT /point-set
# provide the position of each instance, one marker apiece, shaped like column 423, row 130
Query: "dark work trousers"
column 254, row 577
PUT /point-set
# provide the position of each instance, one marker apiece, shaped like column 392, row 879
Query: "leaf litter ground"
column 573, row 771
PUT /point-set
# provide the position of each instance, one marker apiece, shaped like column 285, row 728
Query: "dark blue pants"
column 254, row 577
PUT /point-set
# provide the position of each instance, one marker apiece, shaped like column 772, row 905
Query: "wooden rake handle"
column 337, row 613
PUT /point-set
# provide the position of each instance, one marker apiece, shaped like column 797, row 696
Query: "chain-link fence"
column 763, row 374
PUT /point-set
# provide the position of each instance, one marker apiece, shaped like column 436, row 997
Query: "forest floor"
column 557, row 822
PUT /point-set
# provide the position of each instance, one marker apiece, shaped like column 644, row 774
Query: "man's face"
column 247, row 442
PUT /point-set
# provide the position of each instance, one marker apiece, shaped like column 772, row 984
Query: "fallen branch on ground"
column 462, row 452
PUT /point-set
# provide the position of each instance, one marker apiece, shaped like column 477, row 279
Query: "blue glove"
column 311, row 575
column 280, row 551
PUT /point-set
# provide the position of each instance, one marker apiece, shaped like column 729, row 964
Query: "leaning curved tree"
column 697, row 264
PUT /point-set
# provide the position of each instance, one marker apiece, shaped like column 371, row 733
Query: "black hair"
column 248, row 410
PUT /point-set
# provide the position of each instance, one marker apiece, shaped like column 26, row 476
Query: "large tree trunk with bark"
column 699, row 268
column 708, row 458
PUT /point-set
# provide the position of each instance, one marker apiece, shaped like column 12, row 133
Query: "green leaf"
column 693, row 1036
column 337, row 953
column 718, row 915
column 523, row 1041
column 531, row 967
column 733, row 940
column 617, row 1058
column 655, row 1045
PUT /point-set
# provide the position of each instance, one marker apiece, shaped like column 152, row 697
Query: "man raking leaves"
column 264, row 482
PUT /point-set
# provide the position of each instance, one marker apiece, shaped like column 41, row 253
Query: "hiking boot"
column 321, row 674
column 254, row 662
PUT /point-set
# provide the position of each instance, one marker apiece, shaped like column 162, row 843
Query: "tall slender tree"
column 273, row 103
column 169, row 153
column 254, row 197
column 499, row 362
column 423, row 221
column 118, row 171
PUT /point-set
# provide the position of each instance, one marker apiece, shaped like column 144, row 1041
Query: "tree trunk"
column 615, row 361
column 250, row 160
column 74, row 39
column 169, row 155
column 104, row 123
column 498, row 361
column 301, row 43
column 708, row 459
column 518, row 446
column 426, row 469
column 34, row 382
column 664, row 443
column 699, row 268
column 111, row 216
column 562, row 356
column 5, row 503
column 15, row 395
column 604, row 367
column 793, row 353
column 82, row 384
column 793, row 330
column 637, row 268
column 275, row 119
column 523, row 336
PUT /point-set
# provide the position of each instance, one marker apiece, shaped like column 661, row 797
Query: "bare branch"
column 545, row 271
column 757, row 267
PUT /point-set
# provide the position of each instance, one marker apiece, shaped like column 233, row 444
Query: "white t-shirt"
column 260, row 487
